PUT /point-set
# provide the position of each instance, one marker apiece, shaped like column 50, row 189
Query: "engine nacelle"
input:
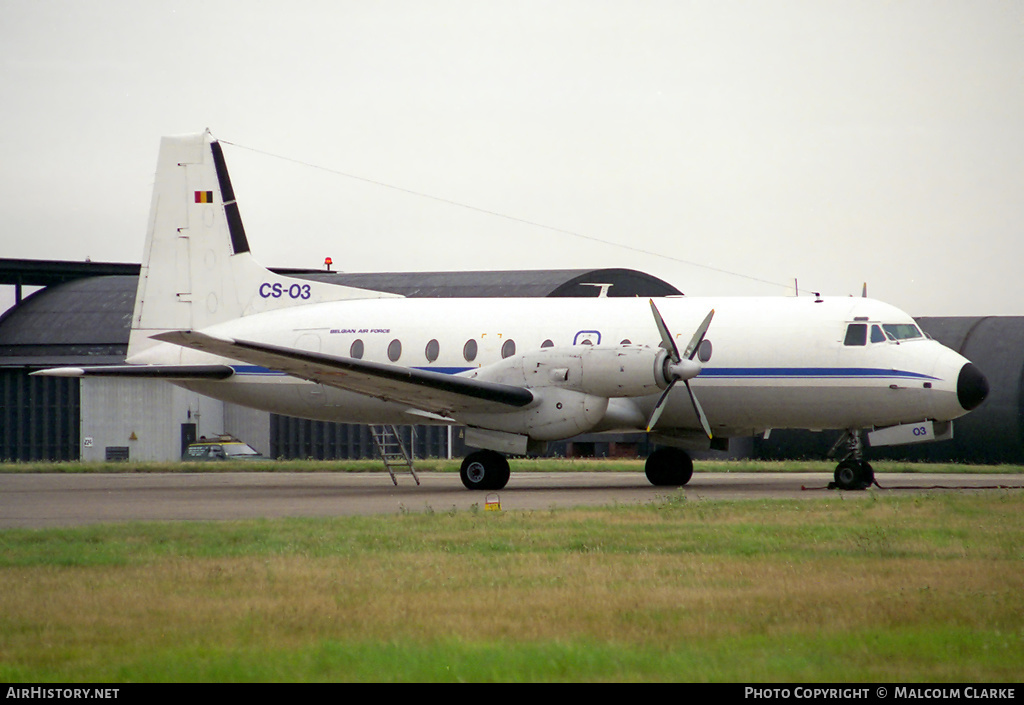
column 571, row 387
column 554, row 414
column 605, row 371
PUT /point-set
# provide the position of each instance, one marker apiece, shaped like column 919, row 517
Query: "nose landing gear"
column 853, row 472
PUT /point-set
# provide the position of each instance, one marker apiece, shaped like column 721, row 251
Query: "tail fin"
column 197, row 269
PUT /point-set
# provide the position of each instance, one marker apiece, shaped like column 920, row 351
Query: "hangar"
column 83, row 317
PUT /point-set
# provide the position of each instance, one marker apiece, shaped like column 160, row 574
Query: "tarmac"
column 49, row 500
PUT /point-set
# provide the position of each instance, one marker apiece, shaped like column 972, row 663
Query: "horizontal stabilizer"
column 142, row 371
column 422, row 389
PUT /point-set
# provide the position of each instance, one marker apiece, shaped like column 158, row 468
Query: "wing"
column 421, row 389
column 181, row 372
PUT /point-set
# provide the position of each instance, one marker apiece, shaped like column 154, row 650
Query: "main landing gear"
column 853, row 472
column 489, row 470
column 485, row 470
column 668, row 467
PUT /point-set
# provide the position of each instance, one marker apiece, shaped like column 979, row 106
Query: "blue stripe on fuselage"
column 710, row 372
column 810, row 373
column 256, row 371
column 445, row 370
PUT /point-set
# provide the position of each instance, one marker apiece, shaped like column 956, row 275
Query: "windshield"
column 902, row 331
column 238, row 449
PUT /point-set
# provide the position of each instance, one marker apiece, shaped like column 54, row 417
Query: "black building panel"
column 39, row 417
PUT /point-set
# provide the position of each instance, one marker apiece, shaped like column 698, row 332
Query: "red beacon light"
column 328, row 262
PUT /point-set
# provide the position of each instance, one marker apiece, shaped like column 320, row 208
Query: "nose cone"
column 971, row 387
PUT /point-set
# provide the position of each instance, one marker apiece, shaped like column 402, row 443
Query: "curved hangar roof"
column 87, row 320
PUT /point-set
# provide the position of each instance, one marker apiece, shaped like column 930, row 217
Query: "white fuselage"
column 773, row 363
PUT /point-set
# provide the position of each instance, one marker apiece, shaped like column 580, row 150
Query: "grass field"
column 927, row 588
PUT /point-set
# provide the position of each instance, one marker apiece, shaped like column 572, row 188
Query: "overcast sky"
column 727, row 147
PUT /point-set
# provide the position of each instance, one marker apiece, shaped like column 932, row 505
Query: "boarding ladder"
column 393, row 451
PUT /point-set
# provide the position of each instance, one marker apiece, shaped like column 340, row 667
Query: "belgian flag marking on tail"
column 204, row 196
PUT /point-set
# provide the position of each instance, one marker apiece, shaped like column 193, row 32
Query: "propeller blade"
column 659, row 407
column 698, row 336
column 700, row 411
column 666, row 337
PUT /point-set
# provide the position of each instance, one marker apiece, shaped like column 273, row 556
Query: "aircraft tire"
column 668, row 467
column 852, row 474
column 867, row 474
column 485, row 470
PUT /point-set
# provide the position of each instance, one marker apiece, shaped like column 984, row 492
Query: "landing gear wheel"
column 668, row 467
column 485, row 470
column 853, row 474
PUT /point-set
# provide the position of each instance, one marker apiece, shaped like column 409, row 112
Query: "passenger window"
column 856, row 334
column 433, row 350
column 395, row 350
column 356, row 350
column 547, row 344
column 625, row 341
column 877, row 336
column 469, row 350
column 508, row 349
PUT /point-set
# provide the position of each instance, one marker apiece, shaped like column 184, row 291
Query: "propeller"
column 680, row 367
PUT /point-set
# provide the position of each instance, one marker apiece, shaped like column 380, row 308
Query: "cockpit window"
column 877, row 336
column 856, row 334
column 902, row 331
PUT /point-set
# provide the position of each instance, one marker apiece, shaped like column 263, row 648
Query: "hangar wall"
column 122, row 419
column 137, row 419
